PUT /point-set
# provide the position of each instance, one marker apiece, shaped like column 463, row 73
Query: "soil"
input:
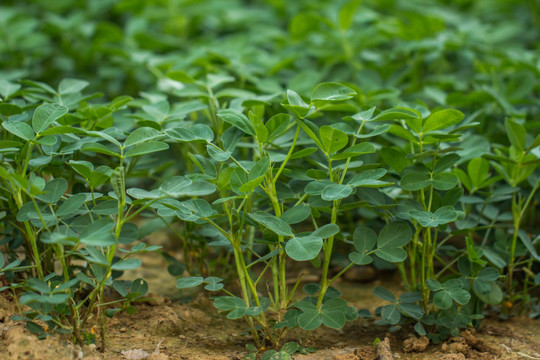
column 164, row 329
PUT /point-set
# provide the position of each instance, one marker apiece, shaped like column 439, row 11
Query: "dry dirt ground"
column 168, row 329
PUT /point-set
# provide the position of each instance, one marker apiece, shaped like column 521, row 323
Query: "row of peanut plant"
column 264, row 182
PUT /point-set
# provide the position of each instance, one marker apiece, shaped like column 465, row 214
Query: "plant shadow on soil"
column 169, row 329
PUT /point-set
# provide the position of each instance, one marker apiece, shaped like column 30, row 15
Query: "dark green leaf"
column 304, row 248
column 46, row 114
column 189, row 282
column 273, row 223
column 442, row 119
column 332, row 92
column 238, row 120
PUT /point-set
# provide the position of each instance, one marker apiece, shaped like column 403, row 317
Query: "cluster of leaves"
column 64, row 207
column 239, row 147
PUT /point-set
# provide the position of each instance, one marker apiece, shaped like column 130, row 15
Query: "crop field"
column 269, row 179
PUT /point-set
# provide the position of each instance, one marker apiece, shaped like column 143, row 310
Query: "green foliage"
column 264, row 135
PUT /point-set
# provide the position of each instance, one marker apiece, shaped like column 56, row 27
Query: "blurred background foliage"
column 394, row 51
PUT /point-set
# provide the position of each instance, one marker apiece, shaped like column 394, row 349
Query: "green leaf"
column 237, row 120
column 235, row 305
column 433, row 285
column 410, row 297
column 99, row 148
column 488, row 292
column 478, row 170
column 9, row 109
column 8, row 88
column 251, row 185
column 53, row 191
column 346, row 14
column 441, row 216
column 71, row 205
column 259, row 169
column 488, row 274
column 461, row 296
column 38, row 285
column 202, row 132
column 99, row 233
column 394, row 235
column 277, row 125
column 143, row 194
column 415, row 181
column 309, row 320
column 141, row 135
column 444, row 181
column 62, row 130
column 393, row 255
column 355, row 150
column 442, row 300
column 46, row 114
column 364, row 239
column 199, row 207
column 419, row 328
column 369, row 178
column 332, row 92
column 108, row 207
column 70, row 86
column 391, row 314
column 218, row 154
column 442, row 119
column 336, row 192
column 273, row 223
column 20, row 129
column 333, row 313
column 84, row 168
column 412, row 310
column 189, row 282
column 360, row 259
column 397, row 114
column 446, row 162
column 384, row 294
column 100, row 176
column 175, row 186
column 146, row 148
column 127, row 264
column 304, row 248
column 296, row 100
column 261, row 132
column 310, row 129
column 290, row 347
column 332, row 139
column 516, row 134
column 326, row 231
column 524, row 237
column 296, row 214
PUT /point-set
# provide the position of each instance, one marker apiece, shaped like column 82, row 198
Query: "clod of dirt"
column 415, row 344
column 25, row 346
column 458, row 346
column 440, row 356
column 480, row 345
column 471, row 347
column 360, row 274
column 345, row 357
column 166, row 322
column 366, row 353
column 384, row 351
